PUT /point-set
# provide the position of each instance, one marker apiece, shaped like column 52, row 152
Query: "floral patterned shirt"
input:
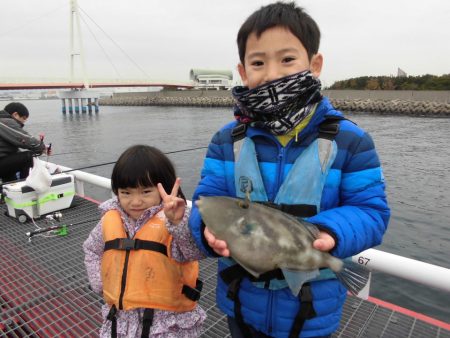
column 166, row 324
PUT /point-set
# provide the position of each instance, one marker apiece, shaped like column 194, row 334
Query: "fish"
column 261, row 238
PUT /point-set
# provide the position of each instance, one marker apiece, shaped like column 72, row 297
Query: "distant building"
column 401, row 73
column 211, row 79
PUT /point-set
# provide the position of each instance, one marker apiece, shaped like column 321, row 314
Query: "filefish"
column 261, row 239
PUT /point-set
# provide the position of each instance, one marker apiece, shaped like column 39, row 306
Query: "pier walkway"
column 44, row 291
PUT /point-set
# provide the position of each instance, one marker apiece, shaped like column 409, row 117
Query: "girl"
column 141, row 256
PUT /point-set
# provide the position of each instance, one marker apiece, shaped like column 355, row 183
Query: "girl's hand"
column 174, row 206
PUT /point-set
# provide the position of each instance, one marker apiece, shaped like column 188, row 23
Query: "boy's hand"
column 174, row 206
column 220, row 247
column 325, row 242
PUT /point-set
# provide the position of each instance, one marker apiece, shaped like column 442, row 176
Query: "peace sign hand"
column 173, row 205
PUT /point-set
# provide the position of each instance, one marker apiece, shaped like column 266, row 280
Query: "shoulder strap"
column 238, row 132
column 329, row 128
column 238, row 135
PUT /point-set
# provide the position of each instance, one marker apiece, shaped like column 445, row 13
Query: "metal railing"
column 375, row 260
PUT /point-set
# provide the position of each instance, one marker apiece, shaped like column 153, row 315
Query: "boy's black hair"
column 281, row 14
column 143, row 166
column 17, row 107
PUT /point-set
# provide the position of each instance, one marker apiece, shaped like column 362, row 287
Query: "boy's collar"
column 278, row 105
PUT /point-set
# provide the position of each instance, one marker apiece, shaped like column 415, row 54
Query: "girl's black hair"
column 281, row 14
column 143, row 166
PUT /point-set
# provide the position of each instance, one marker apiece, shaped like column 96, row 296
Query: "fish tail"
column 353, row 275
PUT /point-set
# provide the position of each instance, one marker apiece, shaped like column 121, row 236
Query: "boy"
column 13, row 137
column 296, row 153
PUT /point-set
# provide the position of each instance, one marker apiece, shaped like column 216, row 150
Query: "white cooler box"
column 23, row 202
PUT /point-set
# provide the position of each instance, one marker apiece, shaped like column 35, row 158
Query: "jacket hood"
column 5, row 115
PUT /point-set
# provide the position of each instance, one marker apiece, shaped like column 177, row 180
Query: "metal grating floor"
column 44, row 289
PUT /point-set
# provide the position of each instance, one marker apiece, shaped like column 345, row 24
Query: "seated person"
column 13, row 138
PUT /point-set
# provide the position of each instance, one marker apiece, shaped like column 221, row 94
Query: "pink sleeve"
column 184, row 248
column 93, row 252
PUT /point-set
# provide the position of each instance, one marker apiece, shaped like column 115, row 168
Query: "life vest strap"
column 297, row 210
column 135, row 244
column 233, row 294
column 112, row 317
column 147, row 322
column 193, row 293
column 236, row 271
column 329, row 128
column 306, row 310
column 238, row 132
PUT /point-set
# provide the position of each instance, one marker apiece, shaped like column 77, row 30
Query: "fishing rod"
column 113, row 162
column 79, row 152
column 103, row 164
column 30, row 234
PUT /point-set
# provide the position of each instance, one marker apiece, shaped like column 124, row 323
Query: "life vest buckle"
column 193, row 293
column 127, row 244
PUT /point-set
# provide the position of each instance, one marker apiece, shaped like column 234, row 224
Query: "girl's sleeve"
column 183, row 247
column 93, row 252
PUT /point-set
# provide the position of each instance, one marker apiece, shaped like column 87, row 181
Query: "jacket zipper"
column 269, row 313
column 281, row 153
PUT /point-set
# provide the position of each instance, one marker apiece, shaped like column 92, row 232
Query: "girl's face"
column 136, row 200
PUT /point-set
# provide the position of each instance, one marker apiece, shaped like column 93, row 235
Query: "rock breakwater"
column 384, row 107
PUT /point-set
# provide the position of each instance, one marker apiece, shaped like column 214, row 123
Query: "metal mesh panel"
column 44, row 291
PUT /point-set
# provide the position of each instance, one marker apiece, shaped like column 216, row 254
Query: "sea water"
column 414, row 152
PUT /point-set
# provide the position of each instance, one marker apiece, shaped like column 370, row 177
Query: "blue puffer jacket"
column 353, row 208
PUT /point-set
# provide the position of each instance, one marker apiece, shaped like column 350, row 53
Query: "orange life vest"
column 151, row 278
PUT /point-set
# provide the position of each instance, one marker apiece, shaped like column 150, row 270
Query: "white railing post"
column 420, row 272
column 79, row 187
column 82, row 177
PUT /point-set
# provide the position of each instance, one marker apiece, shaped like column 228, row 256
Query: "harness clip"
column 127, row 244
column 238, row 132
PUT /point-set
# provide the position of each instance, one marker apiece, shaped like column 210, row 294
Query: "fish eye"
column 243, row 204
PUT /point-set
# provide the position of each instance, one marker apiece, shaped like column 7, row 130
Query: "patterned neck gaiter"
column 280, row 105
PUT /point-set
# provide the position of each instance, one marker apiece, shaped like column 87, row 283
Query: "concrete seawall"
column 412, row 103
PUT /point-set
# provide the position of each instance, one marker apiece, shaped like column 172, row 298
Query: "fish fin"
column 354, row 276
column 312, row 228
column 296, row 279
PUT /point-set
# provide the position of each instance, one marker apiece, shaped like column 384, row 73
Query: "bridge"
column 79, row 85
column 78, row 96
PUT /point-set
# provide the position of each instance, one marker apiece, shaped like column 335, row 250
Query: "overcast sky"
column 164, row 39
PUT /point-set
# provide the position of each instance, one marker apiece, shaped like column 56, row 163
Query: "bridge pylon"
column 77, row 100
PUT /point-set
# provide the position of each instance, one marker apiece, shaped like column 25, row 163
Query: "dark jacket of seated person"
column 17, row 147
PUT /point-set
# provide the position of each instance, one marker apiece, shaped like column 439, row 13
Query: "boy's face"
column 275, row 54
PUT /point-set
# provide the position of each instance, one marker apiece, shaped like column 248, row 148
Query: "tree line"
column 423, row 82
